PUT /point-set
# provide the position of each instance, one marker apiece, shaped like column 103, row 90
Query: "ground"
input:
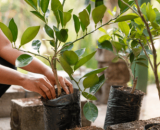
column 150, row 109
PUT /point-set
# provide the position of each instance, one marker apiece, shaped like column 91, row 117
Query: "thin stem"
column 147, row 55
column 63, row 2
column 129, row 7
column 134, row 85
column 89, row 33
column 77, row 83
column 32, row 53
column 135, row 71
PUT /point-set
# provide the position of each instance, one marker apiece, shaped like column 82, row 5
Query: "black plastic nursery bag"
column 122, row 107
column 63, row 113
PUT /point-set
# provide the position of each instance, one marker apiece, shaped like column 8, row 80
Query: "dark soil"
column 62, row 94
column 128, row 90
column 87, row 128
column 156, row 127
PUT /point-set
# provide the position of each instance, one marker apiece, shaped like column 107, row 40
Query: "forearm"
column 10, row 76
column 36, row 66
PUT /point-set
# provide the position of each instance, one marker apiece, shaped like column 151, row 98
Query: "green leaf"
column 98, row 13
column 90, row 111
column 80, row 52
column 98, row 3
column 32, row 3
column 36, row 44
column 96, row 71
column 131, row 57
column 157, row 15
column 66, row 66
column 103, row 38
column 44, row 5
column 89, row 96
column 76, row 23
column 115, row 9
column 84, row 60
column 89, row 8
column 116, row 59
column 23, row 60
column 117, row 46
column 55, row 28
column 154, row 25
column 123, row 7
column 90, row 81
column 52, row 43
column 70, row 57
column 29, row 34
column 62, row 35
column 70, row 11
column 82, row 26
column 142, row 64
column 55, row 6
column 67, row 48
column 105, row 45
column 38, row 15
column 66, row 17
column 141, row 59
column 136, row 51
column 61, row 17
column 14, row 29
column 134, row 43
column 6, row 31
column 150, row 13
column 130, row 16
column 102, row 30
column 97, row 86
column 84, row 17
column 124, row 27
column 110, row 12
column 158, row 1
column 49, row 31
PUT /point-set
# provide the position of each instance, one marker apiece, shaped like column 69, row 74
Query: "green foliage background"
column 17, row 9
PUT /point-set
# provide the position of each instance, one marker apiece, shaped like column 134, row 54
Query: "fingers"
column 46, row 91
column 42, row 93
column 63, row 85
column 69, row 84
column 51, row 88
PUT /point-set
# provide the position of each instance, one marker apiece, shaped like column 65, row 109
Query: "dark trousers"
column 3, row 89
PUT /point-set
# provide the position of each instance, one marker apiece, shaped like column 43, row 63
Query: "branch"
column 32, row 53
column 63, row 2
column 147, row 55
column 89, row 33
column 134, row 85
column 129, row 7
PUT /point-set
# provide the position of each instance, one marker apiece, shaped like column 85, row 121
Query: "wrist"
column 22, row 79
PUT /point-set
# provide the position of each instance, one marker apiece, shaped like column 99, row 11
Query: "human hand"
column 40, row 85
column 65, row 83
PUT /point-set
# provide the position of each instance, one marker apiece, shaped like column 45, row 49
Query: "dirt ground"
column 150, row 109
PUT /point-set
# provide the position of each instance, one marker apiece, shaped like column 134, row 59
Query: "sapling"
column 136, row 35
column 70, row 60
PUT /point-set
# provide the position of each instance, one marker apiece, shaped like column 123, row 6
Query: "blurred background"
column 20, row 11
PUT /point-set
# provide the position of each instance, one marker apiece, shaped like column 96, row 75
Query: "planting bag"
column 122, row 106
column 63, row 113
